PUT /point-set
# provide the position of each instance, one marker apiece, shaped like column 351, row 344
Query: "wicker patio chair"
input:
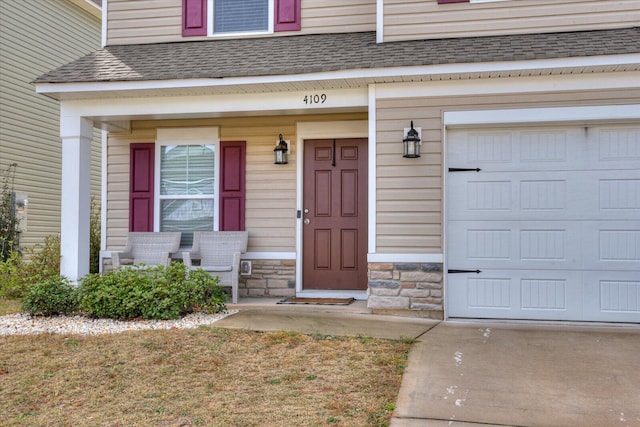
column 219, row 254
column 151, row 248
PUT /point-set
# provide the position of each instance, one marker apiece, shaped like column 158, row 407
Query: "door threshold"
column 358, row 295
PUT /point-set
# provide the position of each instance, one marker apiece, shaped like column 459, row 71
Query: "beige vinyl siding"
column 335, row 16
column 409, row 191
column 426, row 19
column 270, row 211
column 160, row 21
column 144, row 21
column 38, row 36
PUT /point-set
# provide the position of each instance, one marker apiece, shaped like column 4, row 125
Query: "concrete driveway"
column 463, row 374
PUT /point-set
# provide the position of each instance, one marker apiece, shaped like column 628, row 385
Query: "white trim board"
column 553, row 83
column 372, row 197
column 319, row 130
column 379, row 21
column 542, row 115
column 104, row 137
column 208, row 105
column 424, row 258
column 359, row 74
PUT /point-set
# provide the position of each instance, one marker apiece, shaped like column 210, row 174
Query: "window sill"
column 235, row 35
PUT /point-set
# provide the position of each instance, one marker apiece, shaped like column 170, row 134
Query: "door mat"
column 318, row 301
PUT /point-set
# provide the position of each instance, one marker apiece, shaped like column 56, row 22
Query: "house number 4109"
column 318, row 98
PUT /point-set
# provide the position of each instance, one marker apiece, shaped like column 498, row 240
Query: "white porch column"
column 76, row 133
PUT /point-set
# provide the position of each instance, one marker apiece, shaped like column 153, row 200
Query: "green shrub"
column 9, row 232
column 94, row 237
column 43, row 260
column 150, row 292
column 50, row 297
column 39, row 263
column 12, row 284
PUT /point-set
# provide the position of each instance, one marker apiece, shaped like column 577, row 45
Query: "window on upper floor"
column 241, row 16
column 237, row 17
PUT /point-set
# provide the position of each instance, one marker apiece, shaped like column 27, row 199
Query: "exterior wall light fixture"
column 281, row 151
column 411, row 142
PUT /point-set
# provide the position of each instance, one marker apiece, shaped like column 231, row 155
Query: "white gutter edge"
column 481, row 67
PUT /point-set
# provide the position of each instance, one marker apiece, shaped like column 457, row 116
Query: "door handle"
column 306, row 221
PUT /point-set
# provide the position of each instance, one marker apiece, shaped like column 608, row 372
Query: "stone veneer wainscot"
column 403, row 288
column 269, row 278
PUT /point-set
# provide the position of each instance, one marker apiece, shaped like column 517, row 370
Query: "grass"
column 206, row 376
column 9, row 306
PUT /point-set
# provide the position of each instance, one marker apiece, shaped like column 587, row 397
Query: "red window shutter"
column 194, row 17
column 287, row 15
column 141, row 165
column 232, row 185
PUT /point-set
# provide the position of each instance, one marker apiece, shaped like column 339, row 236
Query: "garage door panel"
column 517, row 150
column 516, row 294
column 614, row 147
column 612, row 296
column 572, row 195
column 611, row 245
column 516, row 244
column 587, row 148
column 606, row 296
column 606, row 245
column 552, row 221
column 619, row 194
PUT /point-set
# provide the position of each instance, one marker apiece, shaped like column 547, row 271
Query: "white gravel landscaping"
column 23, row 324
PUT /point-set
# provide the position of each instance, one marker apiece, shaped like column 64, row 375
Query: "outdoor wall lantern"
column 281, row 151
column 411, row 142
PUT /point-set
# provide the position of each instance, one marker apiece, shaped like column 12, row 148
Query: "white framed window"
column 236, row 17
column 187, row 172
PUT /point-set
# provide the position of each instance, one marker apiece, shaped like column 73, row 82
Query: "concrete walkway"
column 352, row 320
column 462, row 374
column 486, row 373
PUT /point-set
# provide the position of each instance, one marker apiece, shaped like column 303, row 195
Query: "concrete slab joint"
column 406, row 288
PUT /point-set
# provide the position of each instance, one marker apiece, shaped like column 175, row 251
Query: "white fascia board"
column 550, row 83
column 542, row 115
column 481, row 67
column 208, row 104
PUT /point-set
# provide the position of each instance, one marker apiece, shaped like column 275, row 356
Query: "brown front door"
column 334, row 230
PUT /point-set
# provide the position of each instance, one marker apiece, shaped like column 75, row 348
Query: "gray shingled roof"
column 327, row 52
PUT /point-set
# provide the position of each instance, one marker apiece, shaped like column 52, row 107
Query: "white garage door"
column 548, row 228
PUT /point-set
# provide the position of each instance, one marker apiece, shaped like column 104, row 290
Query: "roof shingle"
column 254, row 57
